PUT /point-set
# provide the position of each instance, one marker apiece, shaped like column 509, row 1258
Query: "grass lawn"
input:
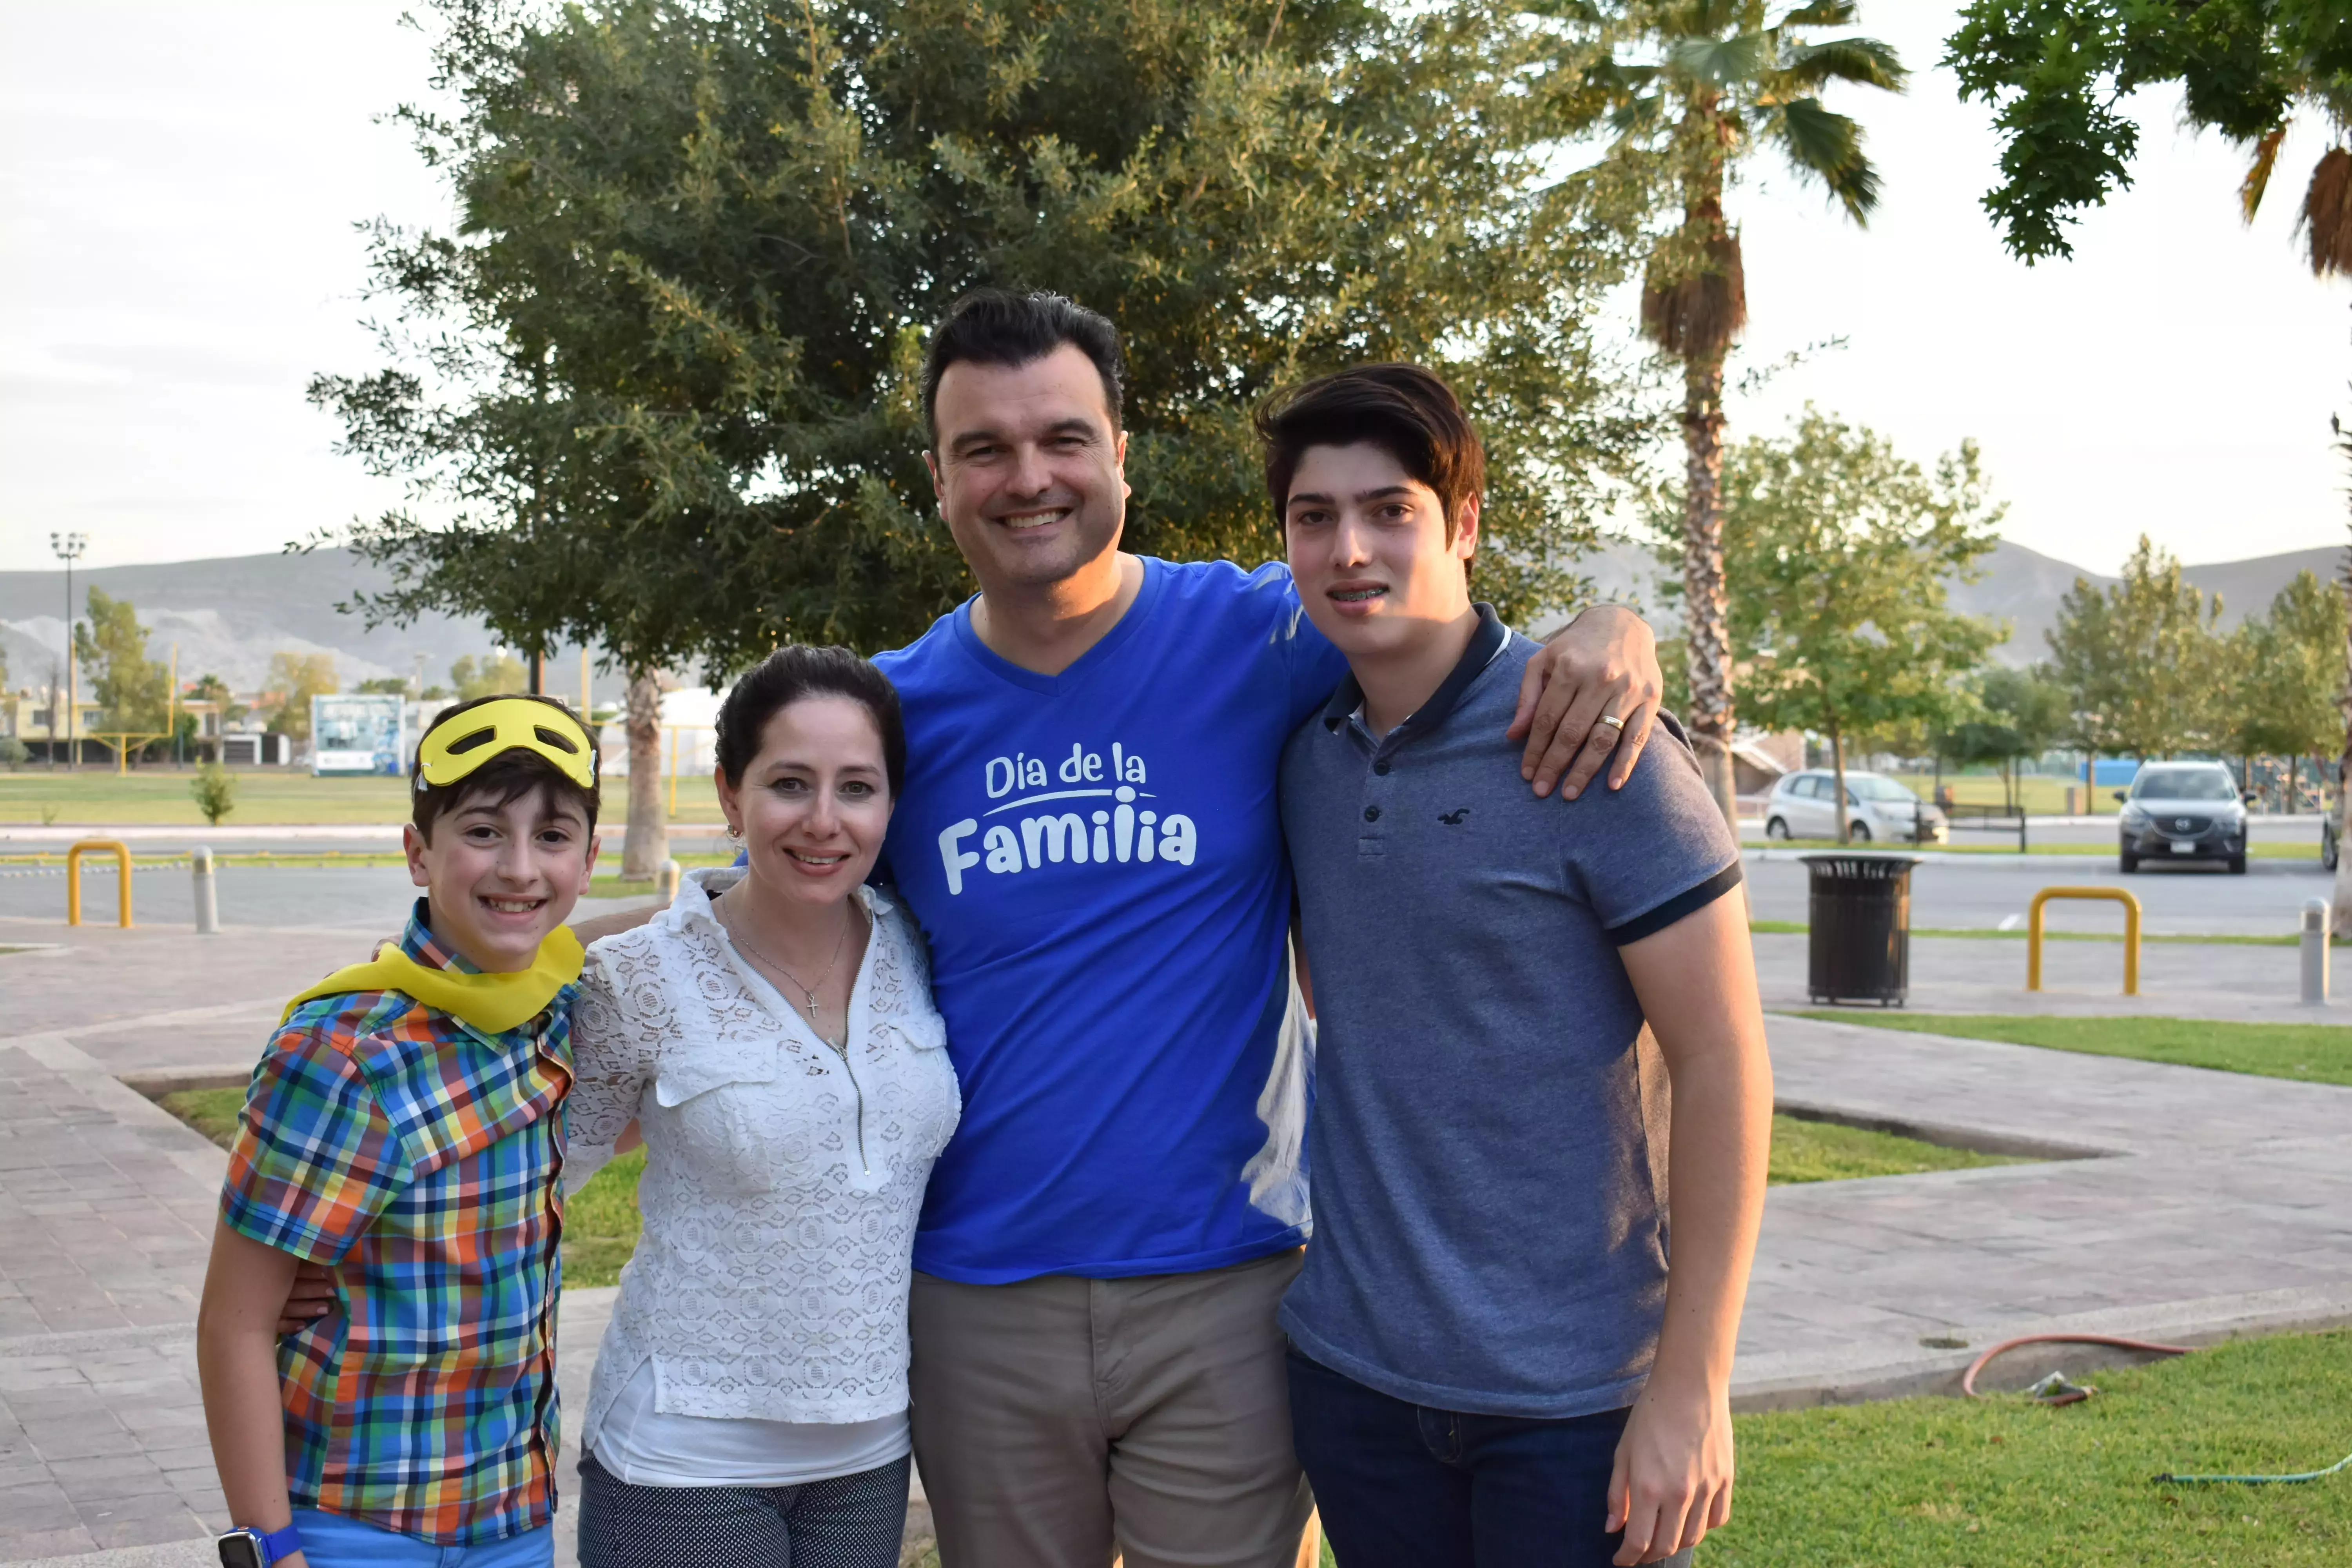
column 159, row 795
column 2004, row 1483
column 1826, row 1152
column 211, row 1112
column 2310, row 1053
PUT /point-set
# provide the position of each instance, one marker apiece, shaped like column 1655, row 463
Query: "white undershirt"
column 642, row 1446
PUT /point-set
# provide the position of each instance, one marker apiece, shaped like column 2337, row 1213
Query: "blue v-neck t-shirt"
column 1096, row 858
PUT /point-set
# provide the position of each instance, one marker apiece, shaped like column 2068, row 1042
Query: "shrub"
column 215, row 789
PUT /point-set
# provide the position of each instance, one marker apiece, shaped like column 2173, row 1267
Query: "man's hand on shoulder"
column 1603, row 665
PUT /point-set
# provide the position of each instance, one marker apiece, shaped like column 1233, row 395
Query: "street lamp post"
column 69, row 548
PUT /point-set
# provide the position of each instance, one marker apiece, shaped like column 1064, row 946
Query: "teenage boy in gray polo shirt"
column 1491, row 1361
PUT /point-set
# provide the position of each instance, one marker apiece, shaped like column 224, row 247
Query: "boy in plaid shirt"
column 404, row 1131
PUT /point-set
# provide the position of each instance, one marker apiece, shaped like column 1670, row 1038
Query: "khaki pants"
column 1060, row 1421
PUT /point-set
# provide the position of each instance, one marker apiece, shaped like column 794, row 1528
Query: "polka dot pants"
column 849, row 1521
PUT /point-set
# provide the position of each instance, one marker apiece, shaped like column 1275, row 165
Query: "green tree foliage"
column 2139, row 660
column 111, row 648
column 1721, row 80
column 2015, row 714
column 383, row 686
column 2057, row 71
column 213, row 688
column 2289, row 699
column 295, row 679
column 1838, row 550
column 662, row 373
column 488, row 676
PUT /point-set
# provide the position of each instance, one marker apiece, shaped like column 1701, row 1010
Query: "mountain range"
column 227, row 615
column 2021, row 586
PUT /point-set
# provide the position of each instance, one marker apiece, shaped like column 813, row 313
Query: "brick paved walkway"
column 105, row 1217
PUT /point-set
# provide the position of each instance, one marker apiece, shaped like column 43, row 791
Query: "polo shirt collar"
column 1486, row 642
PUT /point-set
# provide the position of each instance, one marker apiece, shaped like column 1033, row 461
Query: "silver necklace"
column 815, row 1011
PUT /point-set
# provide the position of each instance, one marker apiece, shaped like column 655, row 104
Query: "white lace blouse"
column 783, row 1178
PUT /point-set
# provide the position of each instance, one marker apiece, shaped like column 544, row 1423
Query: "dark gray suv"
column 2182, row 811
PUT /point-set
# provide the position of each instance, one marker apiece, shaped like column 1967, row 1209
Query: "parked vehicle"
column 1803, row 806
column 2182, row 811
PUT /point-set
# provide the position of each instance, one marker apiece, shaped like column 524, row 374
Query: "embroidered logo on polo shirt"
column 1453, row 818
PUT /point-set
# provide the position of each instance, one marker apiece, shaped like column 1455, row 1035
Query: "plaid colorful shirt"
column 421, row 1161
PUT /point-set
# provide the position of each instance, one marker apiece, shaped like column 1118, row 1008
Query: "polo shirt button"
column 1381, row 768
column 1371, row 814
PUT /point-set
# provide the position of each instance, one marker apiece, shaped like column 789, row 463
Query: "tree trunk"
column 648, row 843
column 1706, row 604
column 1837, row 767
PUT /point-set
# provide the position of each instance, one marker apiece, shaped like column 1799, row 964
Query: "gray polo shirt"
column 1489, row 1138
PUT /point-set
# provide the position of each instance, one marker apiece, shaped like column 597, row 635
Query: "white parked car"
column 1877, row 809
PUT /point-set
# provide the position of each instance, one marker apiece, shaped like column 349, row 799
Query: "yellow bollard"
column 73, row 877
column 2131, row 932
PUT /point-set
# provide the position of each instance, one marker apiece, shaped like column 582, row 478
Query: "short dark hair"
column 798, row 670
column 992, row 326
column 1402, row 409
column 506, row 778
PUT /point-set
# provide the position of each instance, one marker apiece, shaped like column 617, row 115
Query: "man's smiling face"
column 1028, row 467
column 1369, row 549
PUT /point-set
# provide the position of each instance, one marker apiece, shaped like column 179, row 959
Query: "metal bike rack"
column 2112, row 895
column 122, row 853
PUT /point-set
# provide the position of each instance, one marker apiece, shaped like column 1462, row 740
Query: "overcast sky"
column 178, row 183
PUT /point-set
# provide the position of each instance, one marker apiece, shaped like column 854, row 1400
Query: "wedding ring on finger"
column 1613, row 721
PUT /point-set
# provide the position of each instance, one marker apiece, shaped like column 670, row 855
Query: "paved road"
column 2188, row 900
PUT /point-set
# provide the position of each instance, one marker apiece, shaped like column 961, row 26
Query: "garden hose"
column 2055, row 1390
column 2252, row 1481
column 2066, row 1392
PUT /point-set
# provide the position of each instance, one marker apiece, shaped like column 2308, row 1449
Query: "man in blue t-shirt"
column 1530, row 1020
column 1090, row 839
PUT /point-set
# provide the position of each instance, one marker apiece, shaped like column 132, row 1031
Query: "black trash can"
column 1860, row 916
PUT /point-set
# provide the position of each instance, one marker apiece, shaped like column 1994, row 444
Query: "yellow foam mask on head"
column 457, row 746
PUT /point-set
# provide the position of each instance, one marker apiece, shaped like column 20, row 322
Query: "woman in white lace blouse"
column 771, row 1035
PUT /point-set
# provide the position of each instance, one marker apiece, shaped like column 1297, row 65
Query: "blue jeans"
column 1404, row 1486
column 331, row 1541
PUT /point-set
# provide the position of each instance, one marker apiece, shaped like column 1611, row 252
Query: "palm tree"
column 2325, row 220
column 1723, row 81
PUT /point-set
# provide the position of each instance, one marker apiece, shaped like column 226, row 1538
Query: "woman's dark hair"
column 990, row 326
column 793, row 672
column 1400, row 408
column 504, row 778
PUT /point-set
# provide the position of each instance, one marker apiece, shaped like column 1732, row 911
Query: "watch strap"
column 280, row 1544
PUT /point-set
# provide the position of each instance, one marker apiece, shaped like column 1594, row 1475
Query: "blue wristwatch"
column 244, row 1548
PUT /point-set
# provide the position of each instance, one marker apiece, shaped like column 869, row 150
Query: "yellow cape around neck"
column 490, row 1003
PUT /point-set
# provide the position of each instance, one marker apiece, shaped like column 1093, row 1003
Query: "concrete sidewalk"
column 2209, row 1204
column 2176, row 979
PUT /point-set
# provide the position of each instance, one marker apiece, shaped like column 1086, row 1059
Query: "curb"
column 1794, row 1380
